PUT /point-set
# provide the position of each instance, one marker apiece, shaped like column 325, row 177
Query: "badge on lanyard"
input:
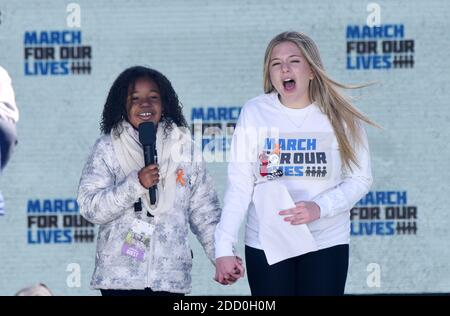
column 269, row 164
column 263, row 162
column 137, row 240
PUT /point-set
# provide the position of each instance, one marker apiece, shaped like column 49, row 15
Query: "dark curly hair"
column 115, row 111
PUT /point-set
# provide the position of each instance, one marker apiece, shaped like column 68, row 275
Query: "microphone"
column 147, row 137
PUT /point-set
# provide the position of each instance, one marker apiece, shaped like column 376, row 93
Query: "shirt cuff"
column 325, row 207
column 224, row 251
column 223, row 247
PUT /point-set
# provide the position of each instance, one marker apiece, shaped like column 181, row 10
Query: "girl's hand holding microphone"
column 149, row 176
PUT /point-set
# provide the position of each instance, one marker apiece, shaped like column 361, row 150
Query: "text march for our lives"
column 57, row 221
column 384, row 213
column 56, row 53
column 379, row 47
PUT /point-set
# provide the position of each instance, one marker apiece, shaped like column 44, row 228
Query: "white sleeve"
column 239, row 187
column 353, row 187
column 8, row 105
column 100, row 199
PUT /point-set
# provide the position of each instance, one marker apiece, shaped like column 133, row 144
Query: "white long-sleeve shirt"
column 310, row 160
column 8, row 107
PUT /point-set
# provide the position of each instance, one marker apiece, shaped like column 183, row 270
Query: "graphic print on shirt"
column 299, row 156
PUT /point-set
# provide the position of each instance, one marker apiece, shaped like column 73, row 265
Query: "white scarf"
column 130, row 154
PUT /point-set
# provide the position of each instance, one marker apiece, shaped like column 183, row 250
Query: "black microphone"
column 147, row 137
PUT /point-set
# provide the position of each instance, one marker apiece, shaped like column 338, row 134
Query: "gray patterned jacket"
column 104, row 195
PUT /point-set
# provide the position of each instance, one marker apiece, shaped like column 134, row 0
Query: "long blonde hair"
column 324, row 92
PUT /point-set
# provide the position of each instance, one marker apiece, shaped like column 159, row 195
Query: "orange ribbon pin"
column 180, row 175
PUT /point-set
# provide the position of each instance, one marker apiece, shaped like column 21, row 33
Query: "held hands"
column 149, row 176
column 304, row 212
column 229, row 269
